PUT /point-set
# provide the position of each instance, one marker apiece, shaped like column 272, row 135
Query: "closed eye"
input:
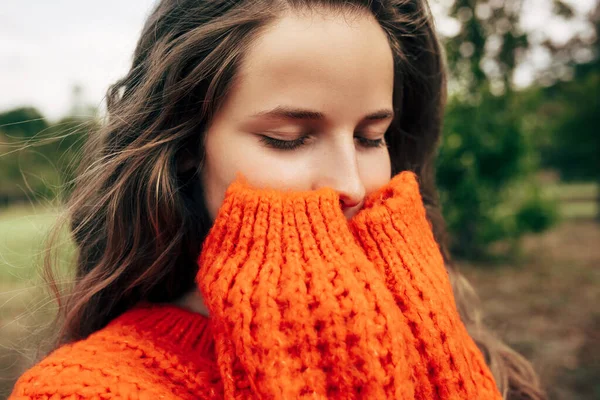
column 283, row 144
column 289, row 145
column 370, row 143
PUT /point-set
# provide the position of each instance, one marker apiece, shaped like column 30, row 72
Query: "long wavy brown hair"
column 138, row 218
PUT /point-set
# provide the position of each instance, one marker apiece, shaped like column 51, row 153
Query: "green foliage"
column 472, row 61
column 37, row 159
column 23, row 122
column 537, row 214
column 494, row 135
column 575, row 141
column 485, row 162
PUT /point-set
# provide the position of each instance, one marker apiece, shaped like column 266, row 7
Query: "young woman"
column 258, row 218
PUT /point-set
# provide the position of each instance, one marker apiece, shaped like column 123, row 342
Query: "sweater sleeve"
column 297, row 309
column 396, row 235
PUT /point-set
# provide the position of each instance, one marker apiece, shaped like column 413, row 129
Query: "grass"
column 576, row 200
column 572, row 190
column 23, row 230
column 26, row 307
column 579, row 210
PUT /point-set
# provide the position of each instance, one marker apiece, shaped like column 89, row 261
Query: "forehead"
column 318, row 60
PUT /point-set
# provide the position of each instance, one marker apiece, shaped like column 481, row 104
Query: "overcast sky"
column 47, row 47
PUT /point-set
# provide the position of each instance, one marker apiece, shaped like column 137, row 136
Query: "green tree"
column 575, row 149
column 571, row 112
column 23, row 122
column 487, row 159
column 37, row 159
column 484, row 169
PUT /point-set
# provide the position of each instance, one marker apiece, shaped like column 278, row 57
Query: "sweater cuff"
column 274, row 225
column 394, row 218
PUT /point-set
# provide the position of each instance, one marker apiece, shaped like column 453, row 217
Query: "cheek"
column 218, row 170
column 227, row 156
column 375, row 170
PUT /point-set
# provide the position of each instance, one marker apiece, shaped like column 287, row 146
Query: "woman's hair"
column 138, row 219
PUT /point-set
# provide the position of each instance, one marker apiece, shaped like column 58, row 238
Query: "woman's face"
column 310, row 108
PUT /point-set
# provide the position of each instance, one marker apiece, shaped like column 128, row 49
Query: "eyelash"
column 283, row 144
column 296, row 143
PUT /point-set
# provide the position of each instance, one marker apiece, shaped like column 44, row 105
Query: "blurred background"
column 518, row 170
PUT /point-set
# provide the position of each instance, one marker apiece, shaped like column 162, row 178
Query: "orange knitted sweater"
column 303, row 304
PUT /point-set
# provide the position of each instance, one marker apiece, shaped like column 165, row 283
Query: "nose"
column 340, row 171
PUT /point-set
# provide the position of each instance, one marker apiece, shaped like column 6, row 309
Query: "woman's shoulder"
column 147, row 352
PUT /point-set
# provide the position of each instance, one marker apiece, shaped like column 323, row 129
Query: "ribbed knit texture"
column 298, row 309
column 396, row 235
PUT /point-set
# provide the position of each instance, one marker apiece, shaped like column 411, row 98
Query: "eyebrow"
column 284, row 112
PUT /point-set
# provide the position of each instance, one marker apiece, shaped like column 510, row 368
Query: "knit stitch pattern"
column 302, row 304
column 150, row 352
column 301, row 311
column 396, row 235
